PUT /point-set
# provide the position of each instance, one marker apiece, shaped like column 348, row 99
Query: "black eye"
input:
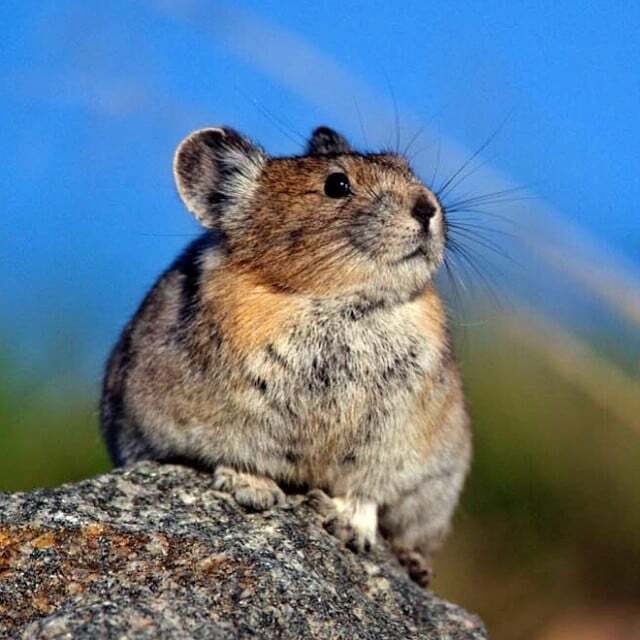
column 337, row 186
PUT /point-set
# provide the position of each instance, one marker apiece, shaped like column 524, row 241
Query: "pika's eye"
column 337, row 186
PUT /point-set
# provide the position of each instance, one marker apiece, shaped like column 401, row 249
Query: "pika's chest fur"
column 334, row 390
column 337, row 352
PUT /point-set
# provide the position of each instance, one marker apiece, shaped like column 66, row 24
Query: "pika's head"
column 329, row 222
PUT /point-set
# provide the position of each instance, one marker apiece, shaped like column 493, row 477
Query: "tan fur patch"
column 432, row 316
column 250, row 314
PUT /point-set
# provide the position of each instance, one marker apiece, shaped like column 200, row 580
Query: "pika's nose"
column 423, row 210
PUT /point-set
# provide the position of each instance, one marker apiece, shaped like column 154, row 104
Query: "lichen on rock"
column 153, row 551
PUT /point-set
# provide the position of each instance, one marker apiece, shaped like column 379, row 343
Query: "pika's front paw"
column 418, row 567
column 320, row 502
column 253, row 492
column 353, row 522
column 339, row 527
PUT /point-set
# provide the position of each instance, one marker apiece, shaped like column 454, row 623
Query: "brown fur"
column 301, row 341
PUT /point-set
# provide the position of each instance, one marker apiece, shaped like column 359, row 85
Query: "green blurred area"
column 48, row 430
column 550, row 516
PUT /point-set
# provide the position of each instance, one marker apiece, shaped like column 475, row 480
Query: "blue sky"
column 95, row 96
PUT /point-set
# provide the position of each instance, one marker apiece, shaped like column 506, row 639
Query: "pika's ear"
column 325, row 141
column 214, row 170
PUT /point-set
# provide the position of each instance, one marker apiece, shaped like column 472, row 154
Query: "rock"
column 153, row 551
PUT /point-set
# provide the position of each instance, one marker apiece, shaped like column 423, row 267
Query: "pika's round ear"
column 325, row 141
column 215, row 170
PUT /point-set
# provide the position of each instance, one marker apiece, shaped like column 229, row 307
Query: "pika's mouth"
column 418, row 252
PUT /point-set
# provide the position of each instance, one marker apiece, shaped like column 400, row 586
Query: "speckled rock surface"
column 154, row 552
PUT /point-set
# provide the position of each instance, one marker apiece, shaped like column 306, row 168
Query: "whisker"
column 490, row 214
column 361, row 122
column 454, row 280
column 473, row 156
column 464, row 254
column 396, row 112
column 475, row 254
column 496, row 197
column 280, row 124
column 487, row 244
column 437, row 165
column 453, row 224
column 465, row 176
column 413, row 139
column 460, row 267
column 479, row 258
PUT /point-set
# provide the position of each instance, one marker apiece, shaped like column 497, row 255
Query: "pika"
column 301, row 342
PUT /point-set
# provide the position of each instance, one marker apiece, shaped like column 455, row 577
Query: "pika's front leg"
column 252, row 491
column 353, row 521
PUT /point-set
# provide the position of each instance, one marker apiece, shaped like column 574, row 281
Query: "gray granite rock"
column 154, row 552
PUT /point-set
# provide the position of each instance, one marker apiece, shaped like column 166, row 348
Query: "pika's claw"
column 341, row 528
column 418, row 567
column 256, row 493
column 353, row 522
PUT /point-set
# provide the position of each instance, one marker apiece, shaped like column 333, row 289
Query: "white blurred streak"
column 114, row 98
column 605, row 384
column 549, row 240
column 604, row 280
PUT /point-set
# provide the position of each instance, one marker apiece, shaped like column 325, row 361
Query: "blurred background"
column 527, row 112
